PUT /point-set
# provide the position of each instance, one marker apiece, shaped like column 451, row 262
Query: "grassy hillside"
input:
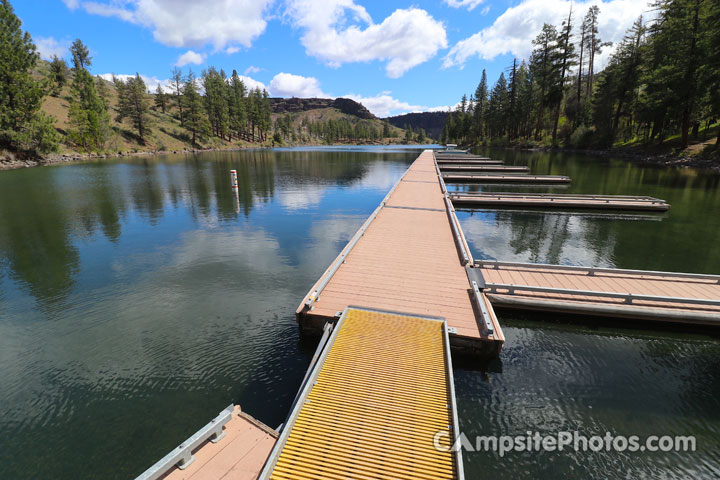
column 166, row 133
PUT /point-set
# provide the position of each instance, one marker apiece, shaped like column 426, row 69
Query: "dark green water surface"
column 139, row 297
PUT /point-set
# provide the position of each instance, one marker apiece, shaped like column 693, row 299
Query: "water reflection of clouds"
column 538, row 238
column 162, row 323
column 380, row 176
column 297, row 197
column 328, row 237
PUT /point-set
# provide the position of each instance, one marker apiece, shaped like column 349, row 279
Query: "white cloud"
column 251, row 83
column 443, row 108
column 252, row 69
column 187, row 23
column 384, row 105
column 340, row 31
column 150, row 82
column 190, row 57
column 469, row 4
column 232, row 50
column 108, row 10
column 48, row 46
column 513, row 31
column 289, row 85
column 485, row 10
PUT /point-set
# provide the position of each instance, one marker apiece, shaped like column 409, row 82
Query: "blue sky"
column 394, row 56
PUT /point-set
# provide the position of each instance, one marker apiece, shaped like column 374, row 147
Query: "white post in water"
column 233, row 179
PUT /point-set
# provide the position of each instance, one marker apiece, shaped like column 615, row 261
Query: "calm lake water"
column 139, row 297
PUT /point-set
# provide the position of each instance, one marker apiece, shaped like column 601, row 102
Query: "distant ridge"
column 297, row 105
column 431, row 122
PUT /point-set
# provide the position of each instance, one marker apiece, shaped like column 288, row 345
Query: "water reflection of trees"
column 550, row 238
column 43, row 212
column 35, row 242
column 679, row 241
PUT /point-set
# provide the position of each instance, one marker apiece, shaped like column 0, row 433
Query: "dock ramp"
column 377, row 404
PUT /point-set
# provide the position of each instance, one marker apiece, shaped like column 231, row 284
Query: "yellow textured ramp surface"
column 380, row 397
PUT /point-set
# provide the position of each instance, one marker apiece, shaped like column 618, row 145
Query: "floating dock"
column 409, row 256
column 557, row 200
column 459, row 156
column 491, row 178
column 234, row 445
column 605, row 292
column 443, row 162
column 483, row 168
column 379, row 397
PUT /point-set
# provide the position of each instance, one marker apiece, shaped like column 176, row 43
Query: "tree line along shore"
column 658, row 93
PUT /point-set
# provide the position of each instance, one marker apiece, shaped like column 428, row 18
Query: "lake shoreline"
column 17, row 160
column 642, row 157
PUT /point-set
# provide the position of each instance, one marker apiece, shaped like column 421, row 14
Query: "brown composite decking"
column 618, row 281
column 459, row 156
column 483, row 168
column 407, row 261
column 490, row 178
column 559, row 201
column 240, row 455
column 459, row 161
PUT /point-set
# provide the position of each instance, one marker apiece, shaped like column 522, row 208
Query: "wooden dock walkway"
column 378, row 396
column 442, row 162
column 637, row 294
column 459, row 156
column 483, row 168
column 507, row 178
column 557, row 200
column 239, row 452
column 409, row 256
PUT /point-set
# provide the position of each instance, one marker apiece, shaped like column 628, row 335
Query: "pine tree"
column 525, row 100
column 543, row 65
column 178, row 83
column 581, row 43
column 497, row 108
column 58, row 74
column 511, row 114
column 265, row 113
column 160, row 99
column 237, row 103
column 408, row 135
column 216, row 101
column 133, row 104
column 22, row 125
column 89, row 119
column 567, row 60
column 102, row 90
column 196, row 120
column 81, row 55
column 593, row 44
column 481, row 95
